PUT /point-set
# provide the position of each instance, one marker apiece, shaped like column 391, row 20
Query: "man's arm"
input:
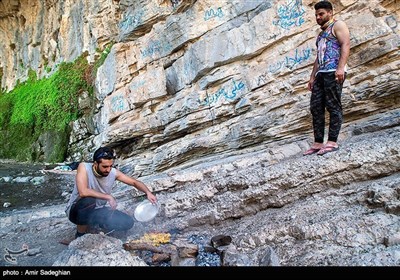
column 137, row 184
column 342, row 33
column 85, row 191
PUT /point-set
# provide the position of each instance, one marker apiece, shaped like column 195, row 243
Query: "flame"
column 155, row 239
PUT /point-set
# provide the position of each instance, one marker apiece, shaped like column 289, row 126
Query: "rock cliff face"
column 207, row 102
column 186, row 80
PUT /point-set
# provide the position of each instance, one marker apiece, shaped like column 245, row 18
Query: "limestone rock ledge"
column 97, row 250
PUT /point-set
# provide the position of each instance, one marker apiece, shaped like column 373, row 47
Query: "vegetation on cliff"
column 42, row 105
column 45, row 108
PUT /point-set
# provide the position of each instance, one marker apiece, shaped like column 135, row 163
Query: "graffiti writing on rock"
column 117, row 103
column 131, row 22
column 155, row 47
column 290, row 14
column 290, row 61
column 228, row 93
column 211, row 13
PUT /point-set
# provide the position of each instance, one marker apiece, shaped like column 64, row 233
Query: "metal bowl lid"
column 146, row 211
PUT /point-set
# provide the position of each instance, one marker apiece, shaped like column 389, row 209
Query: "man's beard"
column 322, row 22
column 99, row 173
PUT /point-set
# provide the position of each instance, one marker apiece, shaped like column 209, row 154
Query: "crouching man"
column 91, row 202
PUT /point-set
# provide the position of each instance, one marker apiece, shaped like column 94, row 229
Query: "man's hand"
column 151, row 197
column 310, row 84
column 112, row 202
column 339, row 76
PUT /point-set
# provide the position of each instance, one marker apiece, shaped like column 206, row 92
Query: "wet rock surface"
column 27, row 186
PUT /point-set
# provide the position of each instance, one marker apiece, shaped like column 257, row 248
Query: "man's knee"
column 130, row 223
column 121, row 221
column 81, row 211
column 127, row 223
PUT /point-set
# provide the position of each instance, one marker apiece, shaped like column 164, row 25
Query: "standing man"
column 91, row 202
column 327, row 77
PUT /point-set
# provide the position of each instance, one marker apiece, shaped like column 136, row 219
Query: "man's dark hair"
column 103, row 153
column 323, row 5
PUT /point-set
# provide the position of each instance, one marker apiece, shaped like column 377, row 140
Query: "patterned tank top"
column 328, row 48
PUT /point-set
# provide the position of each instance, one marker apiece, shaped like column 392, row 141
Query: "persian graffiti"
column 290, row 14
column 131, row 22
column 229, row 93
column 291, row 61
column 211, row 13
column 117, row 103
column 155, row 47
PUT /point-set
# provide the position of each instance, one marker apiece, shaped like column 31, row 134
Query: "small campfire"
column 155, row 239
column 157, row 249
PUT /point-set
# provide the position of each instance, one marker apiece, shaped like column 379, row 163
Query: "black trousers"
column 83, row 212
column 326, row 94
